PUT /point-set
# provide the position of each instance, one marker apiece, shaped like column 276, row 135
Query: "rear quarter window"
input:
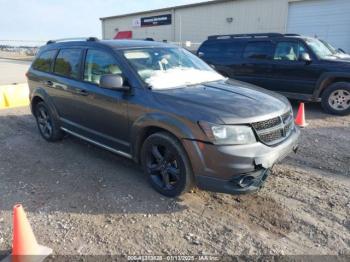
column 44, row 61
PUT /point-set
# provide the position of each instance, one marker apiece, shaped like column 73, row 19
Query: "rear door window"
column 258, row 50
column 222, row 49
column 68, row 63
column 231, row 49
column 44, row 61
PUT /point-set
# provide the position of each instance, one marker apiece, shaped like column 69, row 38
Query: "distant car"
column 299, row 67
column 165, row 108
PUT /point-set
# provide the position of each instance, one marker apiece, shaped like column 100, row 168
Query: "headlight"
column 228, row 134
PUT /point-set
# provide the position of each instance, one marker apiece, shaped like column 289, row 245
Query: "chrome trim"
column 97, row 143
column 271, row 129
column 284, row 123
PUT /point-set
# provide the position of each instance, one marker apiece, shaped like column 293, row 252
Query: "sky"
column 54, row 19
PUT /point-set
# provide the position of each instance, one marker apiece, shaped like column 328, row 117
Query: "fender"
column 324, row 80
column 170, row 123
column 40, row 92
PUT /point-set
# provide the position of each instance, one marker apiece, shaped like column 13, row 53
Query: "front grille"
column 271, row 136
column 267, row 124
column 275, row 130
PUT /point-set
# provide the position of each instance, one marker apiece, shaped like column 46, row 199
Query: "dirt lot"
column 83, row 200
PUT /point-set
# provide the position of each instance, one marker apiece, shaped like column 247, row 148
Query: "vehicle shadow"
column 70, row 176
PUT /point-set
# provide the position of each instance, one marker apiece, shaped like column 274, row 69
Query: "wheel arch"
column 40, row 95
column 153, row 123
column 35, row 100
column 328, row 79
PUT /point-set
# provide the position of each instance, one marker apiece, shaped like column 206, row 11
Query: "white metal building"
column 327, row 19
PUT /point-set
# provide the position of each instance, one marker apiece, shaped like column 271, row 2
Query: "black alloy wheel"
column 44, row 122
column 166, row 164
column 47, row 124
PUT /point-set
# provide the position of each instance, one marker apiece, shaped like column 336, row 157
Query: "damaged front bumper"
column 236, row 169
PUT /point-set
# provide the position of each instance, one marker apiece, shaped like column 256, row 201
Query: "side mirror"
column 305, row 57
column 115, row 82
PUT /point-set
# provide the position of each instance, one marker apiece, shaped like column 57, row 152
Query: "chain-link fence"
column 19, row 49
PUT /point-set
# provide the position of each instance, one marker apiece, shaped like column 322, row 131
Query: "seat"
column 285, row 53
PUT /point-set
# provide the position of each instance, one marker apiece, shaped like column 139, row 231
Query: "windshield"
column 330, row 47
column 319, row 48
column 167, row 68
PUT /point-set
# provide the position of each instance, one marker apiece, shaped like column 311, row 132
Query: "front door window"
column 99, row 63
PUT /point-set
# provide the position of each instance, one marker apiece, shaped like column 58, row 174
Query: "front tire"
column 166, row 164
column 336, row 99
column 47, row 124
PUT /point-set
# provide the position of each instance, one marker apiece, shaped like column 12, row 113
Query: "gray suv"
column 164, row 108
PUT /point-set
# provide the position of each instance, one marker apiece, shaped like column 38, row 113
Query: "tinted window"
column 99, row 63
column 68, row 63
column 210, row 49
column 44, row 61
column 258, row 50
column 230, row 49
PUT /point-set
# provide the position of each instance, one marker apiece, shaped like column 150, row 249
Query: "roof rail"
column 291, row 35
column 89, row 39
column 260, row 35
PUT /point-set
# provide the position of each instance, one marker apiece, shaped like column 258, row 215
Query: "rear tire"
column 166, row 164
column 336, row 99
column 49, row 127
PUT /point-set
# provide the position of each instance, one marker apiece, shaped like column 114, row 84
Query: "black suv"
column 299, row 67
column 165, row 108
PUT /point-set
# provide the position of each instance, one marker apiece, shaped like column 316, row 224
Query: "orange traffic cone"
column 300, row 119
column 24, row 241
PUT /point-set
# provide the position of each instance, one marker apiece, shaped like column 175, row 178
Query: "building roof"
column 166, row 9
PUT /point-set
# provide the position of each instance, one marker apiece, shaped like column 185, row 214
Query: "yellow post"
column 6, row 102
column 14, row 96
column 3, row 101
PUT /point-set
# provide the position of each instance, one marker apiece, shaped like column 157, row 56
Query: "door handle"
column 82, row 92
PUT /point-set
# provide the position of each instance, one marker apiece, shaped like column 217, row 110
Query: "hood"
column 345, row 59
column 227, row 101
column 343, row 56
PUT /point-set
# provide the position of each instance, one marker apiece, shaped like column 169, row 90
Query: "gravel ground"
column 83, row 200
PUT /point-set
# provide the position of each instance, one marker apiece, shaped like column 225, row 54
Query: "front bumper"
column 222, row 168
